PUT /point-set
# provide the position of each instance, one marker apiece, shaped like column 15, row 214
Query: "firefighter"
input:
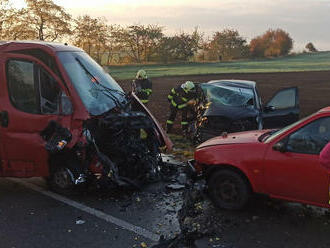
column 180, row 99
column 142, row 86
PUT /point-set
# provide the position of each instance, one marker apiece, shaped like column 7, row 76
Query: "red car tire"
column 228, row 189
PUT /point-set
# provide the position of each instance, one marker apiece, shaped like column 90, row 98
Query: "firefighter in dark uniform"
column 142, row 86
column 180, row 99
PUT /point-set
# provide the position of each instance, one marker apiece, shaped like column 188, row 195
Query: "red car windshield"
column 278, row 133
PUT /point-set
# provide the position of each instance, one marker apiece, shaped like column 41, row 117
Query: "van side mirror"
column 66, row 105
column 280, row 147
column 269, row 108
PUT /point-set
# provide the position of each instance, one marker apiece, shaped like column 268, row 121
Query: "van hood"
column 234, row 138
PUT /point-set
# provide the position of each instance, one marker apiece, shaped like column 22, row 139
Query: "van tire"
column 61, row 181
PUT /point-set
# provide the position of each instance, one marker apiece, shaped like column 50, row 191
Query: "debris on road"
column 175, row 186
column 144, row 245
column 80, row 222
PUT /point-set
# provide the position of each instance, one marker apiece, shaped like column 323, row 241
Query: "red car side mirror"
column 280, row 146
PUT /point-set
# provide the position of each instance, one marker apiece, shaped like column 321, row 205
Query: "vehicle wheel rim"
column 62, row 178
column 227, row 191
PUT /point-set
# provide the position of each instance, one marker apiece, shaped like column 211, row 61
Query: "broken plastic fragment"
column 81, row 179
column 61, row 144
column 80, row 222
column 144, row 245
column 175, row 186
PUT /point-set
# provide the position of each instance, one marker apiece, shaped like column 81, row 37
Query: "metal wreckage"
column 118, row 149
column 235, row 106
column 92, row 131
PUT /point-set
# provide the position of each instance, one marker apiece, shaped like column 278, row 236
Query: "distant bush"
column 310, row 47
column 273, row 43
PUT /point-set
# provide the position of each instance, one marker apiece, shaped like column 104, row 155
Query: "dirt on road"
column 314, row 88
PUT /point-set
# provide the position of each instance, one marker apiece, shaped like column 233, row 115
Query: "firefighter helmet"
column 141, row 74
column 188, row 86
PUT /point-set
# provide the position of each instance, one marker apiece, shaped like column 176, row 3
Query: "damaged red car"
column 281, row 163
column 64, row 118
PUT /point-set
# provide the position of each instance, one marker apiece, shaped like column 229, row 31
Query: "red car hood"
column 234, row 138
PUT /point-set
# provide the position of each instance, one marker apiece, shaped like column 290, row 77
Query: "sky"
column 304, row 20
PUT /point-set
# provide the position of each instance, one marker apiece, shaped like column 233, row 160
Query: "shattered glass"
column 89, row 79
column 229, row 96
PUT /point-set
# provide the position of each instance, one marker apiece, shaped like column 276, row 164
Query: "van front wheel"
column 61, row 181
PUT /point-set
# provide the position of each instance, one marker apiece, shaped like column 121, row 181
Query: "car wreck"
column 64, row 118
column 235, row 105
column 281, row 163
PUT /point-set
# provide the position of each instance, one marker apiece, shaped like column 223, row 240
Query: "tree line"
column 114, row 44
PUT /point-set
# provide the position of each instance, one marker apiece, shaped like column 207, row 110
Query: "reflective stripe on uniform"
column 144, row 101
column 184, row 99
column 173, row 103
column 182, row 106
column 173, row 91
column 169, row 122
column 143, row 134
column 184, row 123
column 147, row 91
column 170, row 97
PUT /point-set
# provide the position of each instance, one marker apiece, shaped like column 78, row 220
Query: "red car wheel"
column 228, row 190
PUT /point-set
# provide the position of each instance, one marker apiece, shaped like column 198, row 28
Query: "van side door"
column 31, row 95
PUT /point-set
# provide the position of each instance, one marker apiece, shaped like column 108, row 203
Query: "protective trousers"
column 171, row 118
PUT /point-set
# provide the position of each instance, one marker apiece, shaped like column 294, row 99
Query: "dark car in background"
column 235, row 105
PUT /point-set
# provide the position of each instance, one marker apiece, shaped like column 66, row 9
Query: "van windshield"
column 97, row 89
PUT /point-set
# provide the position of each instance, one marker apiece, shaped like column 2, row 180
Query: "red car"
column 281, row 163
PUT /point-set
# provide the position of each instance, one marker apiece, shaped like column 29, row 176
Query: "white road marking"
column 99, row 214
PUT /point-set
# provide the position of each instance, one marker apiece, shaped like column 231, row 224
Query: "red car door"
column 30, row 96
column 294, row 172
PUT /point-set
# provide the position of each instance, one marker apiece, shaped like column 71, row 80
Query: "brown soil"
column 314, row 88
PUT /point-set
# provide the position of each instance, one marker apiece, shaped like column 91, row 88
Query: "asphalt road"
column 33, row 217
column 39, row 218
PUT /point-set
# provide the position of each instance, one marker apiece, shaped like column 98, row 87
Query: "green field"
column 303, row 62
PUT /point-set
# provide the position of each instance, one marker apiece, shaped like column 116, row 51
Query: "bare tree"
column 140, row 41
column 6, row 11
column 180, row 47
column 49, row 20
column 112, row 44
